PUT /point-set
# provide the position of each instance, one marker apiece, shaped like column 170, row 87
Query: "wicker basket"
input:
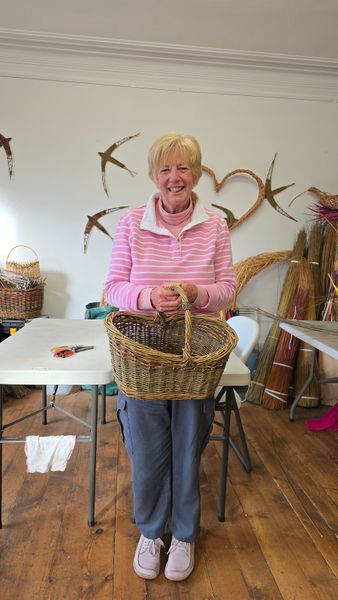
column 30, row 270
column 174, row 358
column 21, row 304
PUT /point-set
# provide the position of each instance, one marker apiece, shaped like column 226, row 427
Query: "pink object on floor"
column 327, row 421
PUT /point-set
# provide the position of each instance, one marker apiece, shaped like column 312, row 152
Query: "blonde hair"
column 172, row 144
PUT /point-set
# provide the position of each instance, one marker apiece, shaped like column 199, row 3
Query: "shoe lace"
column 152, row 546
column 177, row 544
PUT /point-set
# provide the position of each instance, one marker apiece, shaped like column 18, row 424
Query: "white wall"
column 58, row 128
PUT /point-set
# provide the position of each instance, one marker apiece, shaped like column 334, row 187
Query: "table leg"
column 103, row 404
column 1, row 425
column 306, row 384
column 92, row 457
column 44, row 404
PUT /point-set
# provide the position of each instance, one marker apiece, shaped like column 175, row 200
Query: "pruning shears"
column 64, row 351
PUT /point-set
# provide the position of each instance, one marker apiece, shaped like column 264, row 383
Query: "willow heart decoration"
column 264, row 191
column 231, row 219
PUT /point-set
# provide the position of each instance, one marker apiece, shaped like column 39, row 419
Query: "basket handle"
column 21, row 246
column 188, row 322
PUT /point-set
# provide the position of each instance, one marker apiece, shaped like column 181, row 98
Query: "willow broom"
column 314, row 256
column 310, row 396
column 276, row 392
column 327, row 260
column 257, row 385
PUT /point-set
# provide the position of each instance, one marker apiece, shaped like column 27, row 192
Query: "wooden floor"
column 279, row 540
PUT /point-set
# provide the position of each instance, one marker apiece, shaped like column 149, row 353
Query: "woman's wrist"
column 144, row 300
column 202, row 297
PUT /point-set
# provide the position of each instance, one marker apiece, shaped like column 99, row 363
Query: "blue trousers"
column 164, row 440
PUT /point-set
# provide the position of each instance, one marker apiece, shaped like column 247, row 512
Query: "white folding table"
column 26, row 358
column 324, row 340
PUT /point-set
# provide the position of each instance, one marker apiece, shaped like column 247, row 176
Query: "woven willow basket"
column 168, row 358
column 30, row 270
column 21, row 304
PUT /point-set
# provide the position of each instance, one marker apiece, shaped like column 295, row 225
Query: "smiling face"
column 175, row 182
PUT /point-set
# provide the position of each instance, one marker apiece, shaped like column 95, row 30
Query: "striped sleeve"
column 222, row 292
column 119, row 291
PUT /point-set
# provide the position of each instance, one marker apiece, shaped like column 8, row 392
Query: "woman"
column 172, row 238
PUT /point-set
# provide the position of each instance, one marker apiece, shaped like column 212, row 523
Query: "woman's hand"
column 169, row 301
column 190, row 290
column 166, row 300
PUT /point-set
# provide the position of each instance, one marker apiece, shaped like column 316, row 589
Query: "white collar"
column 148, row 222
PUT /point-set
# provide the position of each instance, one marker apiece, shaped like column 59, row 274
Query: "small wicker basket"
column 30, row 270
column 168, row 358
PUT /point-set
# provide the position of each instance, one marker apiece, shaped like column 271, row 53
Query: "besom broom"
column 276, row 392
column 257, row 385
column 311, row 395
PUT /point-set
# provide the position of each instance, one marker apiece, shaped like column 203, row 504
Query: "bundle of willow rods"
column 327, row 260
column 310, row 396
column 257, row 385
column 314, row 256
column 276, row 392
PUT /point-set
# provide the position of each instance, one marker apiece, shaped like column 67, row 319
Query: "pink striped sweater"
column 145, row 255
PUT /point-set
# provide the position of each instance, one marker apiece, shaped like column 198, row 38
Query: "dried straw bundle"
column 11, row 280
column 276, row 392
column 249, row 267
column 257, row 385
column 311, row 395
column 327, row 260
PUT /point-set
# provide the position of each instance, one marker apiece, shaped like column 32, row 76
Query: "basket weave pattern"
column 174, row 358
column 21, row 304
column 30, row 270
column 21, row 288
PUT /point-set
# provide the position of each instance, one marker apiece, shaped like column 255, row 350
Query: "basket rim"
column 33, row 289
column 169, row 357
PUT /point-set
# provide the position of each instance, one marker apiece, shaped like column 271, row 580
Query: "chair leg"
column 225, row 453
column 243, row 456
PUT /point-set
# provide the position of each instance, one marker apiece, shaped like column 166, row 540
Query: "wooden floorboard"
column 278, row 542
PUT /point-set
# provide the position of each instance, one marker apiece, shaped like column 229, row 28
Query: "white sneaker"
column 181, row 560
column 147, row 557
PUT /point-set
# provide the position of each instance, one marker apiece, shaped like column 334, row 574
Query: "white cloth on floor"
column 48, row 453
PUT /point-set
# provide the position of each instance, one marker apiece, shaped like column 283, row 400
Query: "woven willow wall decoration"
column 265, row 191
column 4, row 143
column 93, row 221
column 106, row 156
